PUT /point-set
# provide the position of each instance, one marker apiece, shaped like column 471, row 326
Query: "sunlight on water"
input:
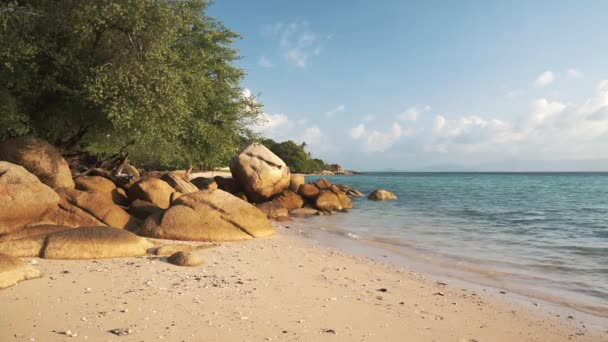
column 549, row 230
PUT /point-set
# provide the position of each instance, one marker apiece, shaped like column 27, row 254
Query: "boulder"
column 13, row 270
column 101, row 207
column 179, row 183
column 241, row 196
column 210, row 215
column 142, row 209
column 23, row 198
column 309, row 191
column 261, row 172
column 337, row 169
column 290, row 200
column 304, row 212
column 381, row 195
column 189, row 259
column 204, row 183
column 296, row 181
column 180, row 247
column 34, row 231
column 175, row 196
column 350, row 191
column 323, row 184
column 102, row 185
column 79, row 243
column 227, row 184
column 333, row 200
column 151, row 190
column 67, row 214
column 273, row 209
column 40, row 158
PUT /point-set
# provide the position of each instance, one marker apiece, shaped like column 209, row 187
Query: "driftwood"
column 116, row 168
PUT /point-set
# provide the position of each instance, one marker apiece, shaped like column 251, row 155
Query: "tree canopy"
column 295, row 156
column 155, row 77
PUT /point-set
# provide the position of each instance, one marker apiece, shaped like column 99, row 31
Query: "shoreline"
column 287, row 287
column 481, row 276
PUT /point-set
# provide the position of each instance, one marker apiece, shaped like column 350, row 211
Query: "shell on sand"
column 79, row 243
column 13, row 270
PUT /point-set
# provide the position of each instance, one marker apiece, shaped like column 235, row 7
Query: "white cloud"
column 550, row 130
column 544, row 79
column 544, row 110
column 368, row 118
column 297, row 43
column 271, row 122
column 412, row 114
column 336, row 110
column 574, row 73
column 377, row 141
column 264, row 62
column 357, row 131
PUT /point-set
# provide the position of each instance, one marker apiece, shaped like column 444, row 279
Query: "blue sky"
column 431, row 85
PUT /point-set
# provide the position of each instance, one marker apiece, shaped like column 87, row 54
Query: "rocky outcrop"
column 79, row 243
column 203, row 183
column 101, row 207
column 67, row 214
column 102, row 185
column 211, row 215
column 34, row 231
column 323, row 184
column 13, row 270
column 296, row 181
column 333, row 200
column 23, row 198
column 309, row 191
column 151, row 190
column 350, row 191
column 142, row 209
column 261, row 172
column 290, row 200
column 40, row 158
column 178, row 183
column 381, row 195
column 273, row 209
column 227, row 184
column 304, row 212
column 188, row 259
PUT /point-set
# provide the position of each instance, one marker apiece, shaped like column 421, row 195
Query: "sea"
column 543, row 235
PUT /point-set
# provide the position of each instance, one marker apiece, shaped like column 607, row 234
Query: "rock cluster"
column 46, row 213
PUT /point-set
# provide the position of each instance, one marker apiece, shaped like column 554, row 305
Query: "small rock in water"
column 121, row 331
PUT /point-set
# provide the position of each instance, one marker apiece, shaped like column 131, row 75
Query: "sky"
column 430, row 85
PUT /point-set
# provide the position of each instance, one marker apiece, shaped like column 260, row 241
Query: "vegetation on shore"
column 154, row 79
column 295, row 156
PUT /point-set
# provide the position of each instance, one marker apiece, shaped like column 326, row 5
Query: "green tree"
column 154, row 77
column 295, row 156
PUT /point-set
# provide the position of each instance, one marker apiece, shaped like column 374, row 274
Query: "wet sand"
column 285, row 288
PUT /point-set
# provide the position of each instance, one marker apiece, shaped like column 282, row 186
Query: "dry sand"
column 284, row 288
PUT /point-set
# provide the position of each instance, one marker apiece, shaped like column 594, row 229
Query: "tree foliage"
column 154, row 77
column 295, row 156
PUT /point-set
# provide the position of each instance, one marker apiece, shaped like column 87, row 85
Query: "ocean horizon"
column 540, row 234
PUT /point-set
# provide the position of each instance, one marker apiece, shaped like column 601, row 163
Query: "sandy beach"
column 284, row 288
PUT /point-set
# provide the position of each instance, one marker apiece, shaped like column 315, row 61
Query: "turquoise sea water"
column 545, row 232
